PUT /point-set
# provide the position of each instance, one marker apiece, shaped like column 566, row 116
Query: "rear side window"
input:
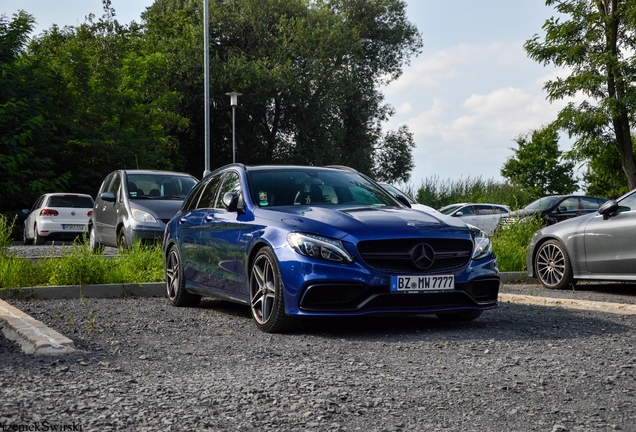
column 70, row 201
column 209, row 193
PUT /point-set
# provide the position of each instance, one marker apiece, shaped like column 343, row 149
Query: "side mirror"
column 402, row 199
column 562, row 209
column 233, row 202
column 607, row 208
column 108, row 196
column 458, row 214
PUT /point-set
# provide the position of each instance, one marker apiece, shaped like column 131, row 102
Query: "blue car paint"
column 269, row 226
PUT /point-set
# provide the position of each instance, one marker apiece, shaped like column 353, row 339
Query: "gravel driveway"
column 145, row 365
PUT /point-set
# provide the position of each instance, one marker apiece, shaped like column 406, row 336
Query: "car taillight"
column 90, row 213
column 48, row 212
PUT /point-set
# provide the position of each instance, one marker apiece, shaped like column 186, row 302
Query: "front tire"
column 122, row 241
column 93, row 244
column 552, row 265
column 266, row 293
column 175, row 282
column 37, row 238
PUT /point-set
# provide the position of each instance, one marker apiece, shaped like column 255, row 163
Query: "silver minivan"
column 136, row 204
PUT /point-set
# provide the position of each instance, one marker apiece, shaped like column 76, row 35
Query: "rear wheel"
column 175, row 282
column 552, row 265
column 266, row 293
column 37, row 238
column 468, row 315
column 26, row 241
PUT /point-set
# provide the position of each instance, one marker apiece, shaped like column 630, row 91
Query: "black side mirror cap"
column 233, row 202
column 108, row 196
column 607, row 208
column 402, row 199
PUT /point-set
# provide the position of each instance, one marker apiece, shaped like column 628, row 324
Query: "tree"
column 535, row 166
column 308, row 72
column 596, row 42
column 27, row 147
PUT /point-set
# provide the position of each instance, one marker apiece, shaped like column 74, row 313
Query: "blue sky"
column 466, row 97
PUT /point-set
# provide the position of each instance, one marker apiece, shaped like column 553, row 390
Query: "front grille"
column 395, row 255
column 358, row 297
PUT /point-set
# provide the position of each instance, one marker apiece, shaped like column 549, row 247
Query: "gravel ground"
column 145, row 365
column 49, row 249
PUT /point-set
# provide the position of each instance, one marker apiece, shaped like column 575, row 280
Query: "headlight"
column 143, row 216
column 319, row 247
column 483, row 247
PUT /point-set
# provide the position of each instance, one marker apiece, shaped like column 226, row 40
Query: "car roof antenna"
column 136, row 161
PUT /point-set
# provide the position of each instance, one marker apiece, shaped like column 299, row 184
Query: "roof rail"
column 342, row 167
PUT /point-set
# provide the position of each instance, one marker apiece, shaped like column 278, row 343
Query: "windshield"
column 395, row 192
column 159, row 186
column 543, row 203
column 301, row 186
column 449, row 209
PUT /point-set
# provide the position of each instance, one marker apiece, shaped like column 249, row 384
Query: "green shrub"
column 510, row 243
column 6, row 230
column 139, row 264
column 439, row 193
column 19, row 272
column 77, row 265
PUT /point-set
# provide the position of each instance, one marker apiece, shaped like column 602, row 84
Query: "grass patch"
column 77, row 265
column 510, row 244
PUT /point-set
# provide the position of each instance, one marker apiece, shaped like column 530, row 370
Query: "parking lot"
column 145, row 365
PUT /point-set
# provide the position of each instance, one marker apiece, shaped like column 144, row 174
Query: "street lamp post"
column 206, row 85
column 234, row 102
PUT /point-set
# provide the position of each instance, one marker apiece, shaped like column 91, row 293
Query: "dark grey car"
column 597, row 246
column 136, row 204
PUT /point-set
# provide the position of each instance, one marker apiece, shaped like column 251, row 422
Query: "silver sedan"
column 597, row 246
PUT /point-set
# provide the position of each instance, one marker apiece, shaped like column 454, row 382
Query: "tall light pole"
column 234, row 102
column 206, row 85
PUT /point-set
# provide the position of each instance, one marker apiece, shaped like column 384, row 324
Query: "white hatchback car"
column 62, row 216
column 482, row 215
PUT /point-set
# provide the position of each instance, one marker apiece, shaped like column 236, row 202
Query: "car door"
column 486, row 218
column 467, row 214
column 222, row 252
column 609, row 243
column 106, row 218
column 190, row 224
column 31, row 219
column 568, row 208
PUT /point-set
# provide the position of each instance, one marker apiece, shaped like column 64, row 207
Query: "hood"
column 362, row 222
column 161, row 208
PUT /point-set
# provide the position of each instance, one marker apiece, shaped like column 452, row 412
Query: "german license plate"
column 416, row 283
column 73, row 227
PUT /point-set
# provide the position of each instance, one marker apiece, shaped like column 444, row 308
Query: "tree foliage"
column 537, row 165
column 79, row 102
column 28, row 148
column 595, row 41
column 307, row 71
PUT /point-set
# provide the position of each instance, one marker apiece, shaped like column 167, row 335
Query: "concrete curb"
column 33, row 336
column 154, row 289
column 517, row 277
column 615, row 308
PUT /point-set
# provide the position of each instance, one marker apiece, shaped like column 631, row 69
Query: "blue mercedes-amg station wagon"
column 295, row 241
